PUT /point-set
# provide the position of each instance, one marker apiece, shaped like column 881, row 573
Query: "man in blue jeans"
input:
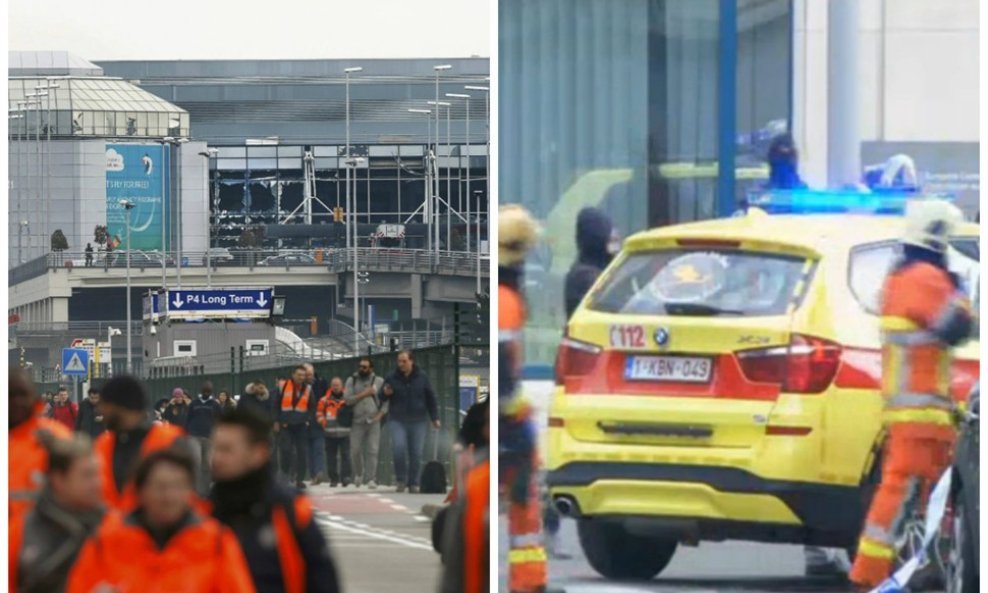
column 412, row 404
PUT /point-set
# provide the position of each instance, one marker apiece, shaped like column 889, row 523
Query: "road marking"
column 422, row 519
column 334, row 522
column 400, row 507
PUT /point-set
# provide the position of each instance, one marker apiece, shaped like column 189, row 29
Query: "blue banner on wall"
column 136, row 172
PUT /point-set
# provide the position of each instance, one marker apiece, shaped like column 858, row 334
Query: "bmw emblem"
column 662, row 336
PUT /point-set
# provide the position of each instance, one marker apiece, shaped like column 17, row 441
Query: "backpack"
column 345, row 414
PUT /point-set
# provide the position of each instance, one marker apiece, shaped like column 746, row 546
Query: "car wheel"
column 962, row 566
column 617, row 554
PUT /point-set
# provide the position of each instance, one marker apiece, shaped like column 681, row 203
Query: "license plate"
column 668, row 368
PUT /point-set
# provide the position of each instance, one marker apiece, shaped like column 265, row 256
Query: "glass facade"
column 253, row 185
column 620, row 104
column 94, row 107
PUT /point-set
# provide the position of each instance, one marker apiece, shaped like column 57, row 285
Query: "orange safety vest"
column 918, row 300
column 293, row 569
column 510, row 320
column 476, row 529
column 288, row 401
column 28, row 461
column 327, row 408
column 160, row 436
column 204, row 557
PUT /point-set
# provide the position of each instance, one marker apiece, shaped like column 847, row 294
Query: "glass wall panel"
column 614, row 104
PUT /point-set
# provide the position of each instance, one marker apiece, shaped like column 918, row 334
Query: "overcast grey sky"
column 228, row 29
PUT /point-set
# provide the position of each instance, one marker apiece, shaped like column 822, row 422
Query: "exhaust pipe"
column 566, row 506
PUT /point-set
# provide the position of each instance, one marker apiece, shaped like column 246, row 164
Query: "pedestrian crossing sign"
column 75, row 362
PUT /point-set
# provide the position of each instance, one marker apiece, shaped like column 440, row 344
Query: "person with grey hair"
column 362, row 394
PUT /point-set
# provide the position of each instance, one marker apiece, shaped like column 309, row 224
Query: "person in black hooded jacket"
column 596, row 242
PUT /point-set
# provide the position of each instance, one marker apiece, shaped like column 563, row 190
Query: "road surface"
column 379, row 541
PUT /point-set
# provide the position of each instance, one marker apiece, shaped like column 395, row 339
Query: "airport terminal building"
column 239, row 156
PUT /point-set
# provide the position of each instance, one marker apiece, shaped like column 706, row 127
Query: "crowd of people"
column 190, row 486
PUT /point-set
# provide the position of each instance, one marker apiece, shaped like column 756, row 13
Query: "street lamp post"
column 37, row 145
column 208, row 154
column 427, row 210
column 487, row 165
column 466, row 98
column 349, row 209
column 356, row 261
column 177, row 143
column 46, row 205
column 478, row 192
column 439, row 68
column 128, row 206
column 449, row 208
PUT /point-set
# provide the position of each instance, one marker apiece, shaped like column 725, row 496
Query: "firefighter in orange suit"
column 517, row 234
column 27, row 458
column 130, row 437
column 924, row 315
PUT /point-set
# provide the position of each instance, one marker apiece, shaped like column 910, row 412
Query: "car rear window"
column 702, row 282
column 870, row 264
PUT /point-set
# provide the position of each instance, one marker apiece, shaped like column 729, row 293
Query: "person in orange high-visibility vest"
column 924, row 314
column 164, row 545
column 336, row 437
column 293, row 403
column 527, row 573
column 130, row 437
column 27, row 456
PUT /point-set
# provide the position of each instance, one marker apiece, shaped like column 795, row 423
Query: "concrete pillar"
column 417, row 293
column 59, row 309
column 843, row 119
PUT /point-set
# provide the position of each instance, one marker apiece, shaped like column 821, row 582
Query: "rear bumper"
column 716, row 502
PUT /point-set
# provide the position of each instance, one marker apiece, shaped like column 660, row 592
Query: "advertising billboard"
column 136, row 172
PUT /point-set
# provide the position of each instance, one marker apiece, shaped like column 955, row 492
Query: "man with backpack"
column 336, row 436
column 366, row 412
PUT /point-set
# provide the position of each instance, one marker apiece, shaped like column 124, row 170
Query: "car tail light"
column 806, row 365
column 575, row 359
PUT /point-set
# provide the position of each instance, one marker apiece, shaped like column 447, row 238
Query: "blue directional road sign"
column 75, row 362
column 220, row 302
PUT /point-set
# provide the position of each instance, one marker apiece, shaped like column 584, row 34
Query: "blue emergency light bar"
column 834, row 202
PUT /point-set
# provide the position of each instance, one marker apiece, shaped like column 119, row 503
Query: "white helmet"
column 930, row 223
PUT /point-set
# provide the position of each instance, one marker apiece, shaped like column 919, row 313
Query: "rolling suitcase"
column 434, row 474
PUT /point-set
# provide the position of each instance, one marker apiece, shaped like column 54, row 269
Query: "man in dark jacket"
column 90, row 421
column 275, row 526
column 411, row 404
column 203, row 412
column 317, row 451
column 257, row 398
column 597, row 244
column 45, row 543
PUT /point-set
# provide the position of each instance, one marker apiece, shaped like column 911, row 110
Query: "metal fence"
column 382, row 259
column 439, row 363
